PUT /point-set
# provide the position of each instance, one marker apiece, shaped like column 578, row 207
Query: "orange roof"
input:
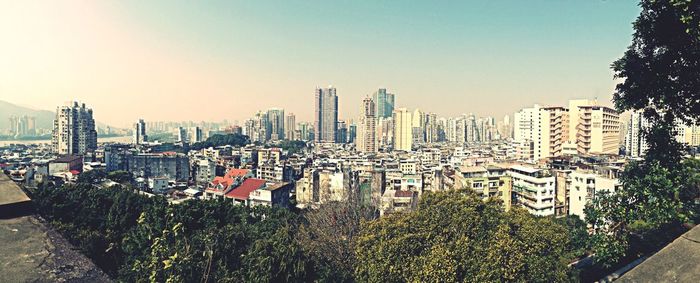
column 243, row 191
column 230, row 176
column 236, row 173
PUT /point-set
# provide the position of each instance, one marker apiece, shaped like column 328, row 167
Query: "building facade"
column 326, row 115
column 74, row 130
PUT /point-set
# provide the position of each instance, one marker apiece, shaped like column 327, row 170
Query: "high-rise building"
column 367, row 135
column 140, row 135
column 598, row 130
column 553, row 131
column 403, row 129
column 74, row 130
column 275, row 126
column 290, row 127
column 418, row 126
column 326, row 115
column 341, row 132
column 526, row 133
column 635, row 143
column 384, row 103
column 542, row 132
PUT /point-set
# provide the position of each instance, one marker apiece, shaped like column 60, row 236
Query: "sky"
column 215, row 60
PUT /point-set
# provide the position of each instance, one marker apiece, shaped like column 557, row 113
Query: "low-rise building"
column 533, row 189
column 276, row 195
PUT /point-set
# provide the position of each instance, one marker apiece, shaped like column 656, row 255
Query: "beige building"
column 491, row 182
column 598, row 130
column 403, row 129
column 554, row 131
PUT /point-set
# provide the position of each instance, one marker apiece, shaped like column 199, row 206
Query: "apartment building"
column 487, row 182
column 533, row 189
column 598, row 130
column 584, row 185
column 74, row 130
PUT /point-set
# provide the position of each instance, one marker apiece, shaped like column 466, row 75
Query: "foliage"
column 455, row 236
column 660, row 69
column 660, row 74
column 122, row 177
column 652, row 197
column 222, row 140
column 92, row 177
column 328, row 235
column 134, row 238
column 578, row 235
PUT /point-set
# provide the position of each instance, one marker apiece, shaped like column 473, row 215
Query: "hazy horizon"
column 179, row 61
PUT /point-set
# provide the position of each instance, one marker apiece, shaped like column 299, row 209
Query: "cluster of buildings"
column 551, row 161
column 21, row 126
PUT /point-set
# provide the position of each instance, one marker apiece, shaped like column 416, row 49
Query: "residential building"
column 275, row 195
column 598, row 130
column 290, row 127
column 403, row 129
column 326, row 115
column 74, row 130
column 366, row 140
column 394, row 201
column 487, row 182
column 533, row 189
column 275, row 124
column 140, row 135
column 584, row 185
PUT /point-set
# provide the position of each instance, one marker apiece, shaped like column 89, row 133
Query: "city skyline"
column 170, row 64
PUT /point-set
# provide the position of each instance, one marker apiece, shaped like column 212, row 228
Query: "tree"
column 660, row 69
column 92, row 177
column 236, row 140
column 122, row 177
column 660, row 74
column 328, row 233
column 455, row 236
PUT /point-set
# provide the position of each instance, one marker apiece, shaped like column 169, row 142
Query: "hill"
column 44, row 118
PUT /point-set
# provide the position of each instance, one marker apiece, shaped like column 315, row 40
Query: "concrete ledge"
column 13, row 201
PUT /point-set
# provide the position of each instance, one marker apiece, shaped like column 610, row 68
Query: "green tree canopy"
column 454, row 237
column 236, row 140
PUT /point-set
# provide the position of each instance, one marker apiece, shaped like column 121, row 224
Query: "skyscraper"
column 140, row 132
column 403, row 129
column 326, row 115
column 74, row 130
column 384, row 103
column 367, row 135
column 635, row 143
column 275, row 127
column 290, row 127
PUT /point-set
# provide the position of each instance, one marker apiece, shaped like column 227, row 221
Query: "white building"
column 74, row 130
column 583, row 187
column 533, row 189
column 403, row 129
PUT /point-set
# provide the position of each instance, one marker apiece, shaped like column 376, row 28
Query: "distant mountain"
column 44, row 118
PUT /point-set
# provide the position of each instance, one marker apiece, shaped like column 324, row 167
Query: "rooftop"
column 243, row 191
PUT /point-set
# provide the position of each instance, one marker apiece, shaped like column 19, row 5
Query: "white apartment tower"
column 74, row 130
column 403, row 129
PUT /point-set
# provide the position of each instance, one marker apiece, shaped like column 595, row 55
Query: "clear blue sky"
column 225, row 59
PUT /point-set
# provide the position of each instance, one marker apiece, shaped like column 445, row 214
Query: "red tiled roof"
column 243, row 191
column 236, row 173
column 230, row 176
